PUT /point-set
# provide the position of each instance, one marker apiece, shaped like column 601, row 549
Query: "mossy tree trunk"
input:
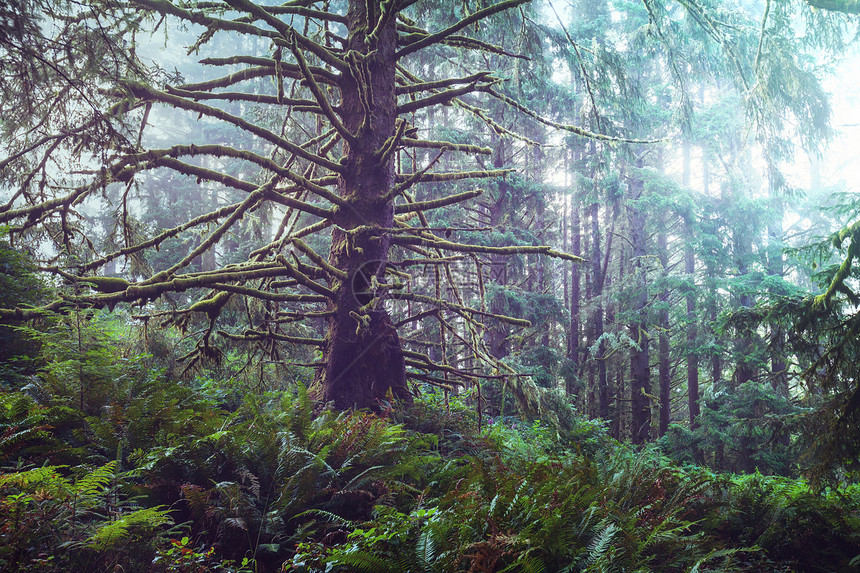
column 363, row 359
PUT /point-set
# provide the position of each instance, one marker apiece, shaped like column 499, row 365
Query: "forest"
column 429, row 285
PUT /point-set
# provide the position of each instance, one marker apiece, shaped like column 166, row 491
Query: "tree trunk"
column 573, row 339
column 640, row 368
column 692, row 342
column 690, row 270
column 363, row 359
column 775, row 268
column 600, row 392
column 665, row 374
column 497, row 331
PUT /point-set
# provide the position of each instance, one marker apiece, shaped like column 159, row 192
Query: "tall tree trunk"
column 711, row 279
column 600, row 392
column 690, row 271
column 665, row 374
column 775, row 268
column 497, row 333
column 692, row 334
column 640, row 368
column 363, row 358
column 744, row 346
column 573, row 340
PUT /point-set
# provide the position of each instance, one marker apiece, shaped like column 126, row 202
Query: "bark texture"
column 363, row 360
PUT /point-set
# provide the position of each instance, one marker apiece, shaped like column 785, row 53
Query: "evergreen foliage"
column 239, row 332
column 274, row 482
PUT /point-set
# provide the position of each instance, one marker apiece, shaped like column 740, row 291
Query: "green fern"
column 96, row 481
column 47, row 477
column 122, row 530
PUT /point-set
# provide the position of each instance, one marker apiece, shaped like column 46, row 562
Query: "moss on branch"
column 319, row 95
column 146, row 92
column 442, row 97
column 253, row 335
column 268, row 295
column 437, row 203
column 476, row 16
column 305, row 280
column 318, row 260
column 459, row 308
column 442, row 244
column 465, row 148
column 845, row 6
column 414, row 87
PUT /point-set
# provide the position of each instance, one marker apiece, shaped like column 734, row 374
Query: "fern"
column 599, row 545
column 327, row 515
column 120, row 531
column 425, row 551
column 47, row 477
column 96, row 481
column 364, row 561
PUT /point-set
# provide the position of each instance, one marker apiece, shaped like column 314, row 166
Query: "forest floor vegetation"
column 157, row 475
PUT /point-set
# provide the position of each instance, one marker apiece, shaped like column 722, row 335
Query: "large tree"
column 346, row 90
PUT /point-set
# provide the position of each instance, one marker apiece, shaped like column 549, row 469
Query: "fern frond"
column 329, row 517
column 96, row 481
column 425, row 551
column 717, row 554
column 600, row 544
column 47, row 477
column 364, row 561
column 120, row 531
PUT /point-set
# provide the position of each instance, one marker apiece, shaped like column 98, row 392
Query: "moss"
column 107, row 284
column 210, row 305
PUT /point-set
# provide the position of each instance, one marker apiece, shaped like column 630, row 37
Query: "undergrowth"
column 193, row 477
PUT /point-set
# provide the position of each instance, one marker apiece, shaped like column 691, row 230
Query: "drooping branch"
column 431, row 39
column 168, row 8
column 296, row 104
column 447, row 145
column 321, row 97
column 163, row 236
column 225, row 151
column 437, row 203
column 142, row 91
column 571, row 128
column 304, row 279
column 442, row 97
column 251, row 334
column 460, row 175
column 845, row 6
column 460, row 308
column 837, row 283
column 438, row 243
column 216, row 235
column 278, row 196
column 268, row 295
column 316, row 258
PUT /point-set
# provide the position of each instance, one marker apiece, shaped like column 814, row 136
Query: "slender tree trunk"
column 692, row 334
column 620, row 419
column 640, row 367
column 775, row 269
column 690, row 270
column 497, row 333
column 665, row 374
column 600, row 392
column 573, row 351
column 711, row 278
column 744, row 346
